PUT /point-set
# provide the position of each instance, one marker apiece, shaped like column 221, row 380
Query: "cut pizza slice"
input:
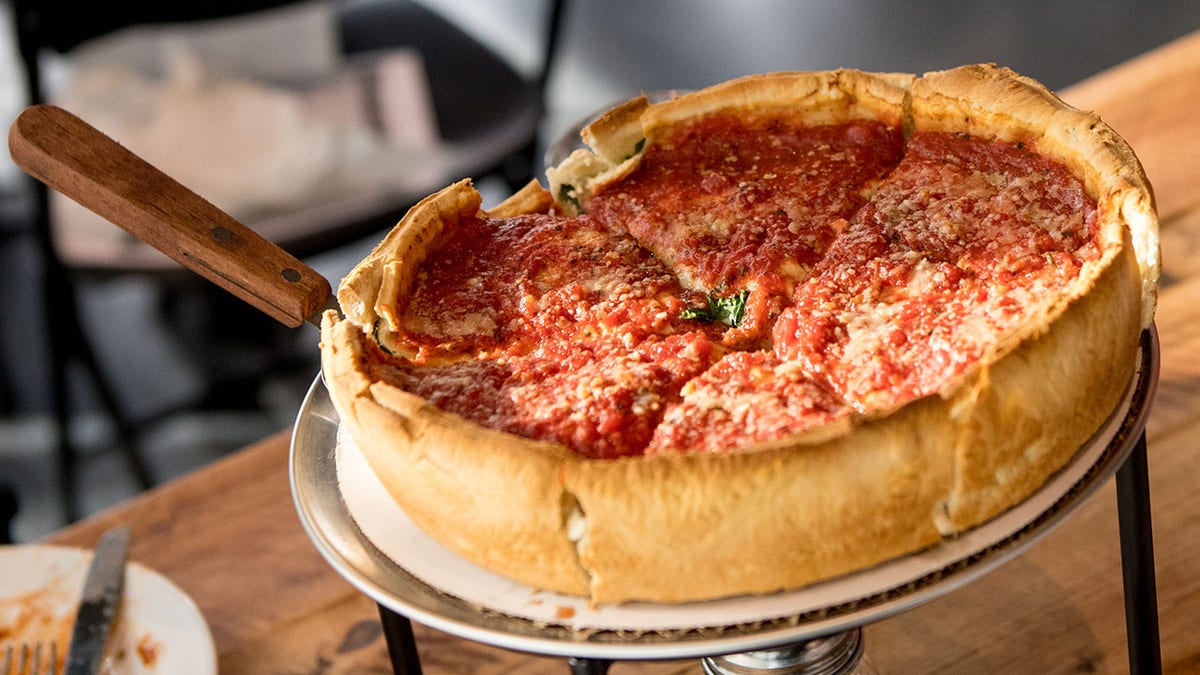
column 743, row 187
column 746, row 399
column 499, row 283
column 966, row 242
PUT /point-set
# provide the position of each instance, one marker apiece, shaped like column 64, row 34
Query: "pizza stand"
column 812, row 630
column 822, row 638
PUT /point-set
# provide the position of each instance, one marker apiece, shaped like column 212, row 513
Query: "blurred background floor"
column 607, row 51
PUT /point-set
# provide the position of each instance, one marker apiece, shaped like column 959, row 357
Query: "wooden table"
column 230, row 537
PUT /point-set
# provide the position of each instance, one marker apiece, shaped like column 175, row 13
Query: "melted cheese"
column 569, row 329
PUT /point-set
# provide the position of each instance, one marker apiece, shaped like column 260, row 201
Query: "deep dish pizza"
column 760, row 335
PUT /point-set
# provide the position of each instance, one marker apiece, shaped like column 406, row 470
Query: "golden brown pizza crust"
column 494, row 498
column 1025, row 415
column 777, row 515
column 992, row 102
column 828, row 97
column 375, row 287
column 615, row 135
column 685, row 527
column 615, row 139
column 533, row 198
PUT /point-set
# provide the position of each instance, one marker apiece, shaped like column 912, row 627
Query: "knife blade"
column 102, row 593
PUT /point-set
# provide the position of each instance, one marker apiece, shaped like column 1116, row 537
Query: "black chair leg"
column 126, row 433
column 8, row 511
column 67, row 341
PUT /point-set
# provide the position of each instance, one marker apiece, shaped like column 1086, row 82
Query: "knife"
column 74, row 158
column 102, row 590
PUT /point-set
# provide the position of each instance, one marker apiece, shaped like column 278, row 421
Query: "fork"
column 24, row 659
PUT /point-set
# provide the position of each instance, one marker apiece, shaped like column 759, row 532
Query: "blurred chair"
column 487, row 114
column 8, row 510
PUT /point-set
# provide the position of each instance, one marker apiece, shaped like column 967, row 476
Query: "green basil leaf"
column 729, row 310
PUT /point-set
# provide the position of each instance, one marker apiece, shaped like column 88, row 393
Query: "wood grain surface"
column 229, row 535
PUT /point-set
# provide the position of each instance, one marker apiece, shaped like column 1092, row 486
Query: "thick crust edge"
column 494, row 498
column 374, row 289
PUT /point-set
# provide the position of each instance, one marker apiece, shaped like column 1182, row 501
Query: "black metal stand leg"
column 1137, row 563
column 588, row 666
column 402, row 645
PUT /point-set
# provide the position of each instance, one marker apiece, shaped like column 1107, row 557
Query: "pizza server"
column 74, row 158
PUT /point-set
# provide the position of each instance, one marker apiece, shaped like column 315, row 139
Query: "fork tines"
column 23, row 659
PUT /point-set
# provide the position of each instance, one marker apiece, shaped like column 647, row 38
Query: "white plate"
column 159, row 630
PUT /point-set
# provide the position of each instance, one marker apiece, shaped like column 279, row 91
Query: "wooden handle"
column 72, row 157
